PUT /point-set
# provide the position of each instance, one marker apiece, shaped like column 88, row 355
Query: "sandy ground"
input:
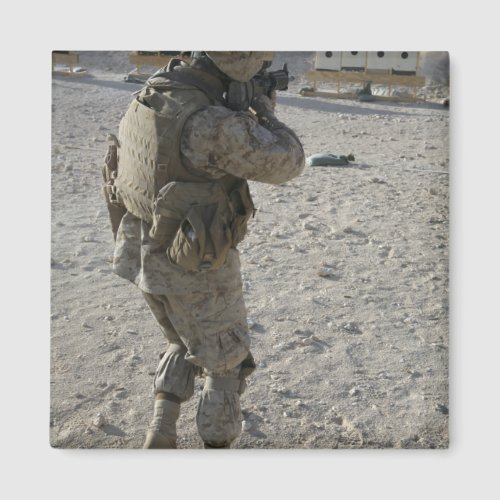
column 345, row 273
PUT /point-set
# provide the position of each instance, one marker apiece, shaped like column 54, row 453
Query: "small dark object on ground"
column 328, row 159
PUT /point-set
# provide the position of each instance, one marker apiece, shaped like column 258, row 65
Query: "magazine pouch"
column 193, row 221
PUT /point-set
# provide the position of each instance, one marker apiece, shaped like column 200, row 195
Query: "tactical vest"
column 196, row 217
column 149, row 144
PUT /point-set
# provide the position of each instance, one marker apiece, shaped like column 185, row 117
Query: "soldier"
column 179, row 202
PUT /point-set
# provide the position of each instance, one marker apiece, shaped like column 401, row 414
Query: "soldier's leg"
column 173, row 381
column 219, row 413
column 213, row 328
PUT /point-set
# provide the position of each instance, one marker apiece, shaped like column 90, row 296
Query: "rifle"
column 266, row 81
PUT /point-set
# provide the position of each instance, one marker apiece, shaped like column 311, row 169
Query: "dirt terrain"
column 345, row 272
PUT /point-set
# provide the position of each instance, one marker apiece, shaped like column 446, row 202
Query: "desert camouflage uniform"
column 202, row 314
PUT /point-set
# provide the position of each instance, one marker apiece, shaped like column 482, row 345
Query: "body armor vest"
column 149, row 140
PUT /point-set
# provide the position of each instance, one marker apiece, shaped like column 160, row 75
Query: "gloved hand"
column 264, row 109
column 262, row 105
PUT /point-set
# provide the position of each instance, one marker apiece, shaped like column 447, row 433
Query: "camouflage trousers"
column 206, row 336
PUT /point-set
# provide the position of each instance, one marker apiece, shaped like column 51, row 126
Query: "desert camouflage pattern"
column 175, row 375
column 204, row 312
column 219, row 413
column 142, row 260
column 212, row 326
column 239, row 66
column 219, row 141
column 215, row 141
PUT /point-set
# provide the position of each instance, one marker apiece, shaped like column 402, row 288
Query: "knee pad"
column 219, row 414
column 174, row 375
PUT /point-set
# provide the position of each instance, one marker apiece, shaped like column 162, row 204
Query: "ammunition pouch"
column 203, row 239
column 199, row 222
column 116, row 209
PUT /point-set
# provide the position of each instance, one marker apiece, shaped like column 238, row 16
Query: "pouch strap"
column 177, row 348
column 167, row 396
column 222, row 384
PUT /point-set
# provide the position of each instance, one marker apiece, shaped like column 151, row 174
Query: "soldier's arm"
column 218, row 141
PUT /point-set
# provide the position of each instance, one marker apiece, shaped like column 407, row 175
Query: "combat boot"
column 161, row 431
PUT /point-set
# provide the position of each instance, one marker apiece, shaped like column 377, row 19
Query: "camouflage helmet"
column 239, row 66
